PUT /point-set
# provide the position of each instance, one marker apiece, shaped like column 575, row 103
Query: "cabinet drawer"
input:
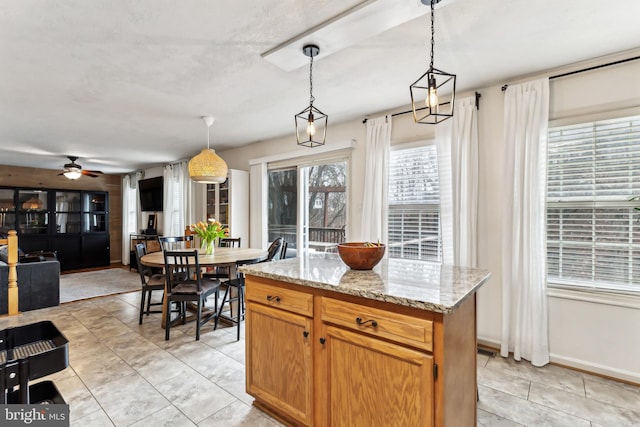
column 385, row 324
column 275, row 296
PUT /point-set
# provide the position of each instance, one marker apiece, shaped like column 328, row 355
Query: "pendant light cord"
column 433, row 32
column 208, row 130
column 311, row 98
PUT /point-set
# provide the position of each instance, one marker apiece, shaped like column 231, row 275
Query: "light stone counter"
column 424, row 285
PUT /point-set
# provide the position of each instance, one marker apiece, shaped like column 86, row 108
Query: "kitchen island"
column 331, row 346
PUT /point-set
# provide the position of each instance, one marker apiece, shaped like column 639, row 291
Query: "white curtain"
column 179, row 199
column 189, row 190
column 373, row 227
column 524, row 300
column 258, row 201
column 457, row 144
column 129, row 213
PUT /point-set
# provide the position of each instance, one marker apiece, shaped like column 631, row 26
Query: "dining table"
column 221, row 257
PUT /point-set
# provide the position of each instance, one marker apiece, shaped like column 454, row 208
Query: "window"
column 593, row 233
column 323, row 186
column 414, row 204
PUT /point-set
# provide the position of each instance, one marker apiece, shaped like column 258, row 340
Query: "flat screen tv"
column 150, row 194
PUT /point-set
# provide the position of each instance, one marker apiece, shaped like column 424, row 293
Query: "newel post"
column 12, row 288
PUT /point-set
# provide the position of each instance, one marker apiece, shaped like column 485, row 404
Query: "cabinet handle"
column 322, row 340
column 361, row 322
column 305, row 334
column 273, row 297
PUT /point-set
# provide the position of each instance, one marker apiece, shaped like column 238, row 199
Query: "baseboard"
column 596, row 369
column 576, row 364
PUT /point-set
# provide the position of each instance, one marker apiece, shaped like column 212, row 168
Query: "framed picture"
column 152, row 222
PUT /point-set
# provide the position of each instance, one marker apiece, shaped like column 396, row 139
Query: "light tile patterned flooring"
column 123, row 374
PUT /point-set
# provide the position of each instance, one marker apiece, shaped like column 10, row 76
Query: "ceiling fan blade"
column 92, row 171
column 93, row 174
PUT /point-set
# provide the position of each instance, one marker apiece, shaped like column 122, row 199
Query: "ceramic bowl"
column 360, row 256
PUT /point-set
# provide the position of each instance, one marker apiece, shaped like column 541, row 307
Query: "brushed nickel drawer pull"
column 361, row 322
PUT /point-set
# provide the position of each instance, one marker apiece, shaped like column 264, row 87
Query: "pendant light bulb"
column 432, row 97
column 311, row 127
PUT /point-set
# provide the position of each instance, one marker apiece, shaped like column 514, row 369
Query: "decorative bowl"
column 361, row 255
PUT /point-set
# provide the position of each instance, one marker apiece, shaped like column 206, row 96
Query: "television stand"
column 150, row 240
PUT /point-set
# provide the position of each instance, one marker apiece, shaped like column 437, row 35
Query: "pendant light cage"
column 207, row 167
column 433, row 94
column 311, row 123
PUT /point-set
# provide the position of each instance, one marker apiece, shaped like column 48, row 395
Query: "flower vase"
column 207, row 246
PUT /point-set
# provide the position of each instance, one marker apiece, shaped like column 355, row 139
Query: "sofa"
column 38, row 281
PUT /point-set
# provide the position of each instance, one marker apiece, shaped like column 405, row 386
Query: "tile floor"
column 123, row 374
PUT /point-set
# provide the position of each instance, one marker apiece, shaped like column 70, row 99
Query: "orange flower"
column 210, row 231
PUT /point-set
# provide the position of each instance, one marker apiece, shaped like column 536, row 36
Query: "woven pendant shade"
column 207, row 167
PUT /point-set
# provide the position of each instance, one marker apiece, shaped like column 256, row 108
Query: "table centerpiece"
column 209, row 232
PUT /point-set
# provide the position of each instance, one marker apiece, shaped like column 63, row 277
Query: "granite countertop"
column 418, row 284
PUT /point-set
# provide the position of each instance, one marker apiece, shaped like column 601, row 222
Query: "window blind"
column 414, row 204
column 593, row 233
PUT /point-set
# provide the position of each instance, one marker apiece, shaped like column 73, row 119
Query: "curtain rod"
column 595, row 67
column 424, row 108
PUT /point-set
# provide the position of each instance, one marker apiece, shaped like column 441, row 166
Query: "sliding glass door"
column 319, row 223
column 283, row 206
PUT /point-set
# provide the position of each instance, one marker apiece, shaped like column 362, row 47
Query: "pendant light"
column 311, row 123
column 207, row 167
column 433, row 94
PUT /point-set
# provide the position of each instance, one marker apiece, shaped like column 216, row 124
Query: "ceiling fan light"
column 72, row 174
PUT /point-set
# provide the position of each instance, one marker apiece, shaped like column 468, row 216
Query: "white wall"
column 598, row 337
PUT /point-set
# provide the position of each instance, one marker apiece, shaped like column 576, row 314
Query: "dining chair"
column 186, row 284
column 222, row 272
column 151, row 281
column 274, row 252
column 229, row 242
column 171, row 243
column 228, row 298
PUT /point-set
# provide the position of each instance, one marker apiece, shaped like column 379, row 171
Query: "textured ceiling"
column 123, row 84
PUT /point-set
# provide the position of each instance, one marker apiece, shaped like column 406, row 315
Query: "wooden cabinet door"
column 279, row 363
column 370, row 382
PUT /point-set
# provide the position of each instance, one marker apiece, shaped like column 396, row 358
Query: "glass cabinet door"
column 67, row 212
column 211, row 200
column 7, row 211
column 95, row 212
column 33, row 214
column 224, row 203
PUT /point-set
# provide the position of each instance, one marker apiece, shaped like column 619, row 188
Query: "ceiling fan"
column 74, row 171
